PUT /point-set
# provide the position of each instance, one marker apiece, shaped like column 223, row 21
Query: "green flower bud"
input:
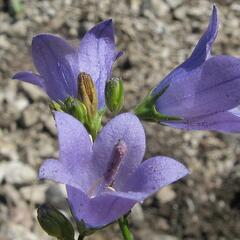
column 68, row 104
column 79, row 111
column 55, row 223
column 114, row 95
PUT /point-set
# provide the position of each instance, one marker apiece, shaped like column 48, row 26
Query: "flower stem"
column 123, row 224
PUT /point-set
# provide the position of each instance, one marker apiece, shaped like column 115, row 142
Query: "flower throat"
column 106, row 182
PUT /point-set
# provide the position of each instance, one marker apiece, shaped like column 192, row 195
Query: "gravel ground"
column 156, row 35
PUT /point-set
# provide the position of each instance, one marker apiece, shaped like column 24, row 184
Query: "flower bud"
column 67, row 104
column 87, row 93
column 114, row 95
column 54, row 222
column 79, row 111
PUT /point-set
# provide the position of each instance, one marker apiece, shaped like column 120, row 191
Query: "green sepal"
column 55, row 106
column 83, row 230
column 146, row 110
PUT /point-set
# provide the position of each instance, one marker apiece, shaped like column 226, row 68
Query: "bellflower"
column 106, row 178
column 204, row 91
column 59, row 64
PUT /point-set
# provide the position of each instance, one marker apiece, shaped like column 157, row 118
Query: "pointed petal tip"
column 181, row 168
column 119, row 54
column 15, row 76
column 214, row 18
column 18, row 75
column 215, row 11
column 29, row 77
column 105, row 24
column 53, row 169
column 152, row 175
column 108, row 21
column 185, row 171
column 41, row 174
column 44, row 171
column 214, row 7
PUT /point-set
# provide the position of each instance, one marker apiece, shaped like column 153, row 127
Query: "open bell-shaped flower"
column 204, row 91
column 59, row 64
column 106, row 178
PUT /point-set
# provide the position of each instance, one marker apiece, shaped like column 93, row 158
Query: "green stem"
column 123, row 224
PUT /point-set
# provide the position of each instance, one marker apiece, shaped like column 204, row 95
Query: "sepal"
column 83, row 230
column 146, row 110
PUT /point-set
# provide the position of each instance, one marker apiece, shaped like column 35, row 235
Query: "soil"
column 156, row 36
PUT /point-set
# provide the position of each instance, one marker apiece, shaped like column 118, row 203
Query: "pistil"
column 119, row 153
column 106, row 182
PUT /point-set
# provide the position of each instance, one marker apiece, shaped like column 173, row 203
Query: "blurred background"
column 156, row 35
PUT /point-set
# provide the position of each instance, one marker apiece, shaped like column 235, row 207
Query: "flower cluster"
column 102, row 166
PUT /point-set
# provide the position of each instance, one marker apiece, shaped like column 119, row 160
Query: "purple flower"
column 106, row 178
column 60, row 64
column 204, row 91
